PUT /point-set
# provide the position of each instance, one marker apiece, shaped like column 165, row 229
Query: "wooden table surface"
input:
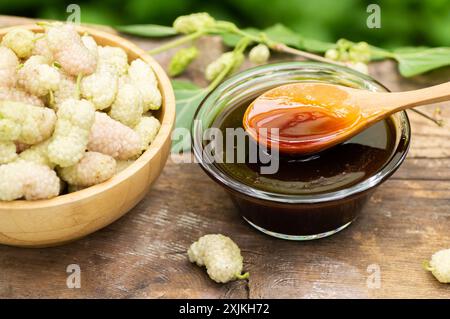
column 143, row 255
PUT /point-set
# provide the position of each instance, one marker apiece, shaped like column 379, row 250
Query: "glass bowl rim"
column 230, row 183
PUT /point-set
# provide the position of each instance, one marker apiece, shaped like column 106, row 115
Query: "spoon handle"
column 382, row 104
column 433, row 94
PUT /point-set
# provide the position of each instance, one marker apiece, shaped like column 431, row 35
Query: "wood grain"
column 142, row 255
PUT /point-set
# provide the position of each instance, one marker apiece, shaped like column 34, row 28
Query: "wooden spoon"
column 305, row 118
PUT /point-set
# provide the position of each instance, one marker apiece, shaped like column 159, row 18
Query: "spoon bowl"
column 305, row 118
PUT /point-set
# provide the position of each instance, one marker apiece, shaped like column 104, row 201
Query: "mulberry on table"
column 221, row 257
column 56, row 90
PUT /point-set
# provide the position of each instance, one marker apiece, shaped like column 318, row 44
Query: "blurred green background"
column 404, row 23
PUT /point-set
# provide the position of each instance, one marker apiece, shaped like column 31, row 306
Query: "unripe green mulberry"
column 100, row 88
column 9, row 64
column 112, row 59
column 21, row 41
column 259, row 54
column 360, row 52
column 142, row 77
column 94, row 168
column 332, row 54
column 344, row 44
column 111, row 137
column 439, row 265
column 8, row 152
column 221, row 257
column 181, row 60
column 69, row 141
column 69, row 51
column 147, row 128
column 347, row 51
column 22, row 179
column 193, row 22
column 37, row 77
column 35, row 123
column 226, row 60
column 358, row 66
column 127, row 107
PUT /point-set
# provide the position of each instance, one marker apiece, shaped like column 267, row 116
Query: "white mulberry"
column 9, row 129
column 7, row 152
column 112, row 59
column 21, row 41
column 70, row 52
column 29, row 180
column 37, row 77
column 67, row 89
column 69, row 141
column 38, row 154
column 35, row 123
column 439, row 265
column 90, row 44
column 147, row 128
column 100, row 88
column 18, row 95
column 41, row 48
column 9, row 64
column 127, row 107
column 111, row 137
column 94, row 168
column 221, row 256
column 141, row 76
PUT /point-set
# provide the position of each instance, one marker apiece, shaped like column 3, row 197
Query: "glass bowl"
column 293, row 216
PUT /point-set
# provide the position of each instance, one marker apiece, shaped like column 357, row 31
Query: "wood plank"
column 395, row 232
column 144, row 253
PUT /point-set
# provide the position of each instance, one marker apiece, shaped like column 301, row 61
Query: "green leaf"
column 184, row 85
column 316, row 46
column 377, row 53
column 188, row 97
column 282, row 34
column 147, row 30
column 231, row 39
column 410, row 49
column 277, row 33
column 420, row 60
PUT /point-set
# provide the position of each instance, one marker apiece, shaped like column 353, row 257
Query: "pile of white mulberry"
column 72, row 113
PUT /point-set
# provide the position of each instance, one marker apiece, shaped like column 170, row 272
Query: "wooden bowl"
column 71, row 216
